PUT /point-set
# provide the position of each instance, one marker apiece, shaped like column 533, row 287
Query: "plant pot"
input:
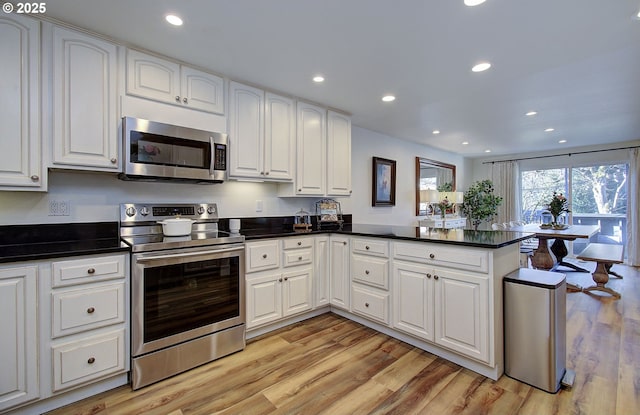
column 176, row 226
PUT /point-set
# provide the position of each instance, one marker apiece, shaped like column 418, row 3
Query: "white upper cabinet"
column 161, row 80
column 21, row 165
column 312, row 150
column 338, row 154
column 84, row 101
column 262, row 134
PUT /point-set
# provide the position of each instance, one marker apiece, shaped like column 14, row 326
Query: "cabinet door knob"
column 299, row 243
column 91, row 271
column 286, row 278
column 114, row 160
column 184, row 100
column 266, row 173
column 366, row 272
column 366, row 247
column 366, row 304
column 435, row 277
column 91, row 310
column 299, row 190
column 177, row 98
column 299, row 258
column 35, row 178
column 279, row 279
column 431, row 256
column 344, row 243
column 264, row 256
column 428, row 275
column 91, row 360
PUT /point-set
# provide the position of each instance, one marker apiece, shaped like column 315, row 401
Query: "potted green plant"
column 479, row 203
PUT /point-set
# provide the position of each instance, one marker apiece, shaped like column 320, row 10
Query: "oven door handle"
column 188, row 254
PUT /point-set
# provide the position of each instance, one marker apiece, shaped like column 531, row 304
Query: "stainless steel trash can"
column 535, row 327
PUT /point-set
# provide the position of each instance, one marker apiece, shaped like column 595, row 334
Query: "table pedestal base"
column 601, row 277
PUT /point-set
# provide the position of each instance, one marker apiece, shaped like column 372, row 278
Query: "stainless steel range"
column 187, row 292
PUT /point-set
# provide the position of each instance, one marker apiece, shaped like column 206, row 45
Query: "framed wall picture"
column 383, row 182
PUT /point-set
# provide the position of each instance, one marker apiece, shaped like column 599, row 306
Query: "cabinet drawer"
column 295, row 243
column 80, row 310
column 371, row 271
column 298, row 257
column 460, row 258
column 370, row 304
column 262, row 255
column 85, row 270
column 88, row 359
column 370, row 247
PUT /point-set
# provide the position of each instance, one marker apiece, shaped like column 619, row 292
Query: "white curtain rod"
column 559, row 155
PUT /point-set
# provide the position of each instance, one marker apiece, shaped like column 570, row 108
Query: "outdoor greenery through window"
column 597, row 195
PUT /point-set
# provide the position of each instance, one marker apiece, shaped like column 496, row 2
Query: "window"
column 597, row 195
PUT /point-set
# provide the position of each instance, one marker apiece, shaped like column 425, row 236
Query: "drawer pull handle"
column 91, row 271
column 366, row 247
column 264, row 256
column 299, row 243
column 91, row 310
column 435, row 277
column 428, row 275
column 299, row 258
column 91, row 360
column 366, row 304
column 431, row 256
column 366, row 272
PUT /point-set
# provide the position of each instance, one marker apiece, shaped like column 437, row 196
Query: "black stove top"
column 140, row 230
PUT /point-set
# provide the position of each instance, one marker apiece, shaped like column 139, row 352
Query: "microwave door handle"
column 188, row 254
column 213, row 156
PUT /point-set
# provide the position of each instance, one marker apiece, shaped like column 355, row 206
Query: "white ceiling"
column 575, row 62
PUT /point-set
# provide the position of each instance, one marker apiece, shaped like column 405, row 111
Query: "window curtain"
column 633, row 213
column 505, row 178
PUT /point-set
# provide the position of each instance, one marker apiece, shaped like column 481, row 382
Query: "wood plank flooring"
column 330, row 365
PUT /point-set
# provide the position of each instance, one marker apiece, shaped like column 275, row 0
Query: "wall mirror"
column 432, row 175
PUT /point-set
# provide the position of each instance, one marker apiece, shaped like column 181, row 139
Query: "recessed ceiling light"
column 562, row 141
column 472, row 3
column 173, row 19
column 480, row 67
column 388, row 98
column 636, row 16
column 464, row 143
column 487, row 151
column 436, row 131
column 530, row 113
column 548, row 130
column 318, row 78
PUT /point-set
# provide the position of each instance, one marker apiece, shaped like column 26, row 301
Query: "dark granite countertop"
column 461, row 237
column 45, row 241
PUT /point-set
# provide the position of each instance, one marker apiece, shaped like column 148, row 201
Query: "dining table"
column 542, row 258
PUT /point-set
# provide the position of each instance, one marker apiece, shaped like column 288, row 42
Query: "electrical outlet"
column 59, row 208
column 258, row 205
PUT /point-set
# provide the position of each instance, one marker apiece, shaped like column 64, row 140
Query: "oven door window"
column 186, row 296
column 160, row 150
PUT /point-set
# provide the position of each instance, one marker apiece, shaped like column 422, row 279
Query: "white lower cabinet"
column 339, row 278
column 370, row 303
column 413, row 299
column 278, row 291
column 322, row 265
column 462, row 312
column 18, row 325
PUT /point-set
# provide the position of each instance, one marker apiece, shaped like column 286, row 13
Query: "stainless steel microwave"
column 157, row 151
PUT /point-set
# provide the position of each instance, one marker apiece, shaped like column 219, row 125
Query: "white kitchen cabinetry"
column 338, row 154
column 311, row 168
column 262, row 133
column 370, row 278
column 84, row 101
column 441, row 304
column 18, row 342
column 339, row 280
column 321, row 270
column 88, row 303
column 161, row 80
column 275, row 292
column 21, row 165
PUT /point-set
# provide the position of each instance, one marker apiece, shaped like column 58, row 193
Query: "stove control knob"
column 211, row 210
column 131, row 211
column 144, row 211
column 200, row 210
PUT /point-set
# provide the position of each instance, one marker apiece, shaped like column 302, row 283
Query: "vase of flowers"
column 444, row 205
column 557, row 207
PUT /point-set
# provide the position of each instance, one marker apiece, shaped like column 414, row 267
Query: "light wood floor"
column 330, row 365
